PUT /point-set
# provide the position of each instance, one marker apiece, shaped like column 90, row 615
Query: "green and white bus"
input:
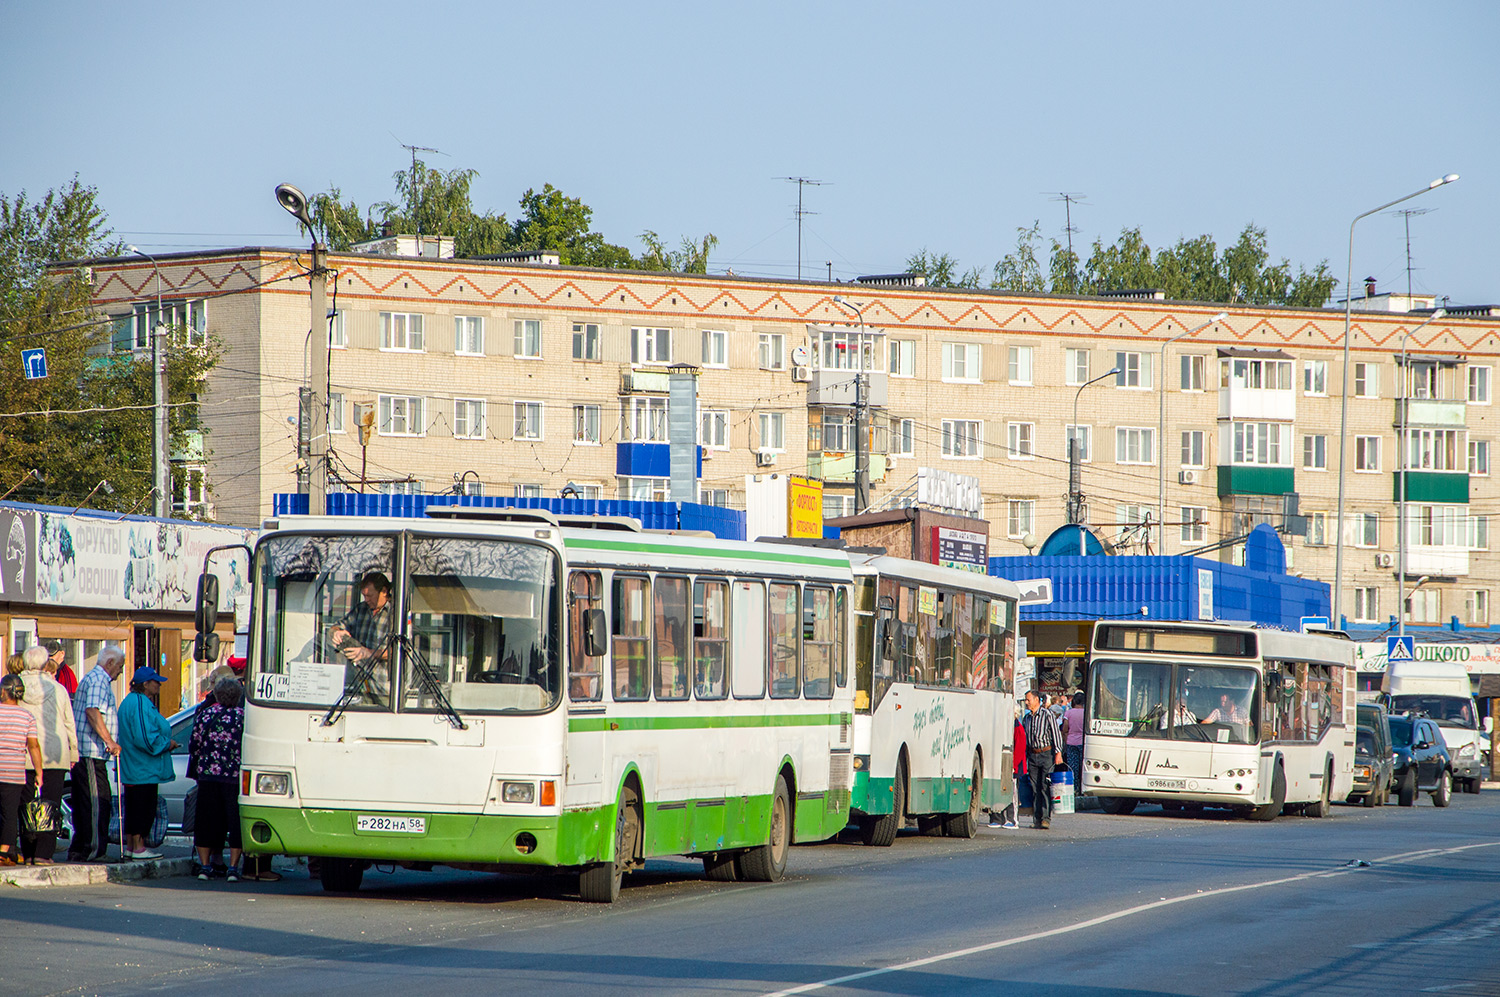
column 934, row 701
column 573, row 695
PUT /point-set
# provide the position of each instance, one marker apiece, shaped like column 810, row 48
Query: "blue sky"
column 943, row 127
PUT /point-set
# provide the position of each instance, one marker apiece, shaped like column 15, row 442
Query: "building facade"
column 501, row 377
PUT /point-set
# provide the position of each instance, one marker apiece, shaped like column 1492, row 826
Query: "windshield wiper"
column 427, row 678
column 362, row 675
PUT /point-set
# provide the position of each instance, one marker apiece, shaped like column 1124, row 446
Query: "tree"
column 95, row 421
column 1021, row 270
column 941, row 270
column 554, row 222
column 341, row 224
column 692, row 257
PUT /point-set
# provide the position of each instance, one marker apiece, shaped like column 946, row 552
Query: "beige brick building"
column 522, row 378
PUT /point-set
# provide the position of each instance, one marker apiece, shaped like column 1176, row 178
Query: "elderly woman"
column 145, row 760
column 214, row 760
column 48, row 702
column 18, row 742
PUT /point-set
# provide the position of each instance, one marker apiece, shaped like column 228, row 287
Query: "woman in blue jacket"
column 145, row 760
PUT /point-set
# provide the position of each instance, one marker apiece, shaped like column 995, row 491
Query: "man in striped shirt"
column 1044, row 744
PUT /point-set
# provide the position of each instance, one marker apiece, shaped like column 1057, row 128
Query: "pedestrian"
column 1043, row 754
column 49, row 704
column 1007, row 818
column 14, row 665
column 214, row 761
column 1072, row 725
column 61, row 670
column 145, row 760
column 206, row 686
column 18, row 742
column 96, row 716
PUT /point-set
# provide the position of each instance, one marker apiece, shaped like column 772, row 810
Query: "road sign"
column 34, row 362
column 1400, row 649
column 1314, row 623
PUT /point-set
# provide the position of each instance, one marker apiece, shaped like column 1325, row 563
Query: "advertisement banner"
column 1477, row 659
column 804, row 508
column 18, row 559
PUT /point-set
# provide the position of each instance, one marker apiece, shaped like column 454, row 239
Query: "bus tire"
column 1117, row 806
column 1443, row 795
column 1321, row 807
column 1406, row 793
column 1272, row 808
column 880, row 831
column 966, row 824
column 600, row 882
column 767, row 863
column 341, row 875
column 721, row 867
column 930, row 825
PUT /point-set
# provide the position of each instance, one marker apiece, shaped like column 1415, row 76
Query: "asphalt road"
column 1153, row 903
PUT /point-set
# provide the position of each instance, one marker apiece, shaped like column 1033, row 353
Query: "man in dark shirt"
column 1044, row 745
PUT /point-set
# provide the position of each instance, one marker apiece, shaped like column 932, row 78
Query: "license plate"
column 1166, row 783
column 391, row 825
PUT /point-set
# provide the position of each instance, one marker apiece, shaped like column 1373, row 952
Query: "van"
column 1440, row 690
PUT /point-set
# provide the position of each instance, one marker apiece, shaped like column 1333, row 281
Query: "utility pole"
column 861, row 458
column 317, row 432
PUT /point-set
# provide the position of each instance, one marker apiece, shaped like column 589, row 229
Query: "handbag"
column 190, row 811
column 158, row 832
column 40, row 817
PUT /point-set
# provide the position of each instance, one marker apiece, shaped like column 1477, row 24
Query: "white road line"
column 902, row 967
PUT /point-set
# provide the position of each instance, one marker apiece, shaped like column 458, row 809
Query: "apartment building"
column 514, row 377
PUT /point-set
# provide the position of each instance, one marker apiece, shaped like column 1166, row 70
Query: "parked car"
column 1422, row 763
column 1373, row 768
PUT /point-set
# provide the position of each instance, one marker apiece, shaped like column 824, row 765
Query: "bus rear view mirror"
column 886, row 611
column 594, row 632
column 206, row 615
column 206, row 647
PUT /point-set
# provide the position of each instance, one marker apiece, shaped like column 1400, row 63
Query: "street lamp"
column 1161, row 434
column 1338, row 550
column 861, row 463
column 295, row 202
column 162, row 468
column 1403, row 459
column 1075, row 496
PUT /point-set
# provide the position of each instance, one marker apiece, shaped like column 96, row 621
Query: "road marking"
column 901, row 967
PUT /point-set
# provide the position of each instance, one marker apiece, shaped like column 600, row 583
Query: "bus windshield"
column 1448, row 711
column 1174, row 701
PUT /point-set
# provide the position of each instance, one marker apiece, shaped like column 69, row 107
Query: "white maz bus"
column 1218, row 715
column 543, row 695
column 934, row 703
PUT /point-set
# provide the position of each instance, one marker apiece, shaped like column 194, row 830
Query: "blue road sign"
column 35, row 363
column 1314, row 623
column 1400, row 649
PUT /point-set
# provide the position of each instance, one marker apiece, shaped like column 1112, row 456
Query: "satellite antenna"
column 1406, row 214
column 1069, row 199
column 801, row 182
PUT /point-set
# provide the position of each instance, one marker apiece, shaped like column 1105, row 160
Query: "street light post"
column 1338, row 550
column 861, row 459
column 1161, row 433
column 1075, row 492
column 1403, row 459
column 161, row 469
column 295, row 202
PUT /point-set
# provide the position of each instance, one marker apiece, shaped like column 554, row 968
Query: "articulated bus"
column 934, row 706
column 543, row 695
column 1258, row 721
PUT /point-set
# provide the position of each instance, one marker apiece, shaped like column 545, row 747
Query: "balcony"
column 1444, row 487
column 1439, row 562
column 838, row 468
column 1254, row 479
column 1445, row 413
column 835, row 387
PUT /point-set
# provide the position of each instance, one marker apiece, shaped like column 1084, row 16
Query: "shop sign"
column 804, row 508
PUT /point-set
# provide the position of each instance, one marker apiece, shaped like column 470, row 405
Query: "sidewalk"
column 176, row 860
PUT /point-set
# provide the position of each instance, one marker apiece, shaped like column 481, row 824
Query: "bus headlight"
column 517, row 792
column 273, row 784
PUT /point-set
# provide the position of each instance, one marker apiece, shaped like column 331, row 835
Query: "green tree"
column 691, row 257
column 941, row 270
column 1021, row 270
column 554, row 222
column 438, row 202
column 340, row 223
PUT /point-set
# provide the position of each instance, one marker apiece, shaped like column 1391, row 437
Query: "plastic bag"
column 154, row 837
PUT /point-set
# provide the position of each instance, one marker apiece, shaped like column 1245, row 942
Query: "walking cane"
column 121, row 787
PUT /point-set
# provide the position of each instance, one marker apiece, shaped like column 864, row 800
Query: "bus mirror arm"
column 593, row 632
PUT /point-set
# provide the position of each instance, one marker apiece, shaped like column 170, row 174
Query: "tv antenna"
column 801, row 182
column 1069, row 199
column 1406, row 214
column 412, row 179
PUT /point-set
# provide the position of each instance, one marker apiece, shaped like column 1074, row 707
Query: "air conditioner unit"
column 765, row 458
column 801, row 375
column 1187, row 477
column 1384, row 560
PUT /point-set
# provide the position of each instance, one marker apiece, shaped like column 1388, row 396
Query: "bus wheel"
column 341, row 875
column 966, row 824
column 1321, row 808
column 766, row 863
column 881, row 831
column 600, row 883
column 721, row 867
column 1272, row 808
column 1118, row 806
column 1406, row 793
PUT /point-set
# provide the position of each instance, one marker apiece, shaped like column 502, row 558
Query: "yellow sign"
column 804, row 508
column 926, row 600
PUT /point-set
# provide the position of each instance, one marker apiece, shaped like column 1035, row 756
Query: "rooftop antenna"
column 801, row 182
column 412, row 179
column 1406, row 214
column 1069, row 199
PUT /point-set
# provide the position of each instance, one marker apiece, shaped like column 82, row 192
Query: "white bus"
column 1219, row 715
column 551, row 695
column 934, row 703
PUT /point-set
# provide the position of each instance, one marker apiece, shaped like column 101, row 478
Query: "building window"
column 714, row 496
column 1194, row 524
column 591, row 493
column 961, row 362
column 645, row 489
column 336, row 412
column 1437, row 525
column 1135, row 445
column 1261, row 443
column 1077, row 364
column 1267, row 375
column 715, row 348
column 650, row 346
column 468, row 418
column 1317, row 529
column 528, row 338
column 1315, row 377
column 839, row 349
column 1020, row 365
column 1432, row 450
column 338, row 332
column 402, row 416
column 1367, row 453
column 1366, row 380
column 470, row 487
column 903, row 437
column 1018, row 440
column 401, row 331
column 1421, row 379
column 1085, row 437
column 713, row 429
column 1192, row 372
column 528, row 421
column 1479, row 458
column 1425, row 605
column 468, row 335
column 1019, row 518
column 835, row 433
column 528, row 491
column 586, row 424
column 773, row 431
column 1315, row 452
column 836, row 505
column 407, row 487
column 903, row 358
column 962, row 437
column 191, row 481
column 1366, row 529
column 771, row 350
column 1477, row 607
column 1129, row 518
column 1479, row 532
column 181, row 318
column 585, row 341
column 1192, row 448
column 1367, row 604
column 644, row 420
column 1479, row 385
column 1135, row 370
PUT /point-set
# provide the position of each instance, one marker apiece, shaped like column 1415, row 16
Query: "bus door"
column 588, row 635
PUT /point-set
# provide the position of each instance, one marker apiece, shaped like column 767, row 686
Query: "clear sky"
column 943, row 127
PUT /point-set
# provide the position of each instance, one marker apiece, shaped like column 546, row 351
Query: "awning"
column 1250, row 352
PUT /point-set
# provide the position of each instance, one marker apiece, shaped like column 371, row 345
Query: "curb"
column 93, row 873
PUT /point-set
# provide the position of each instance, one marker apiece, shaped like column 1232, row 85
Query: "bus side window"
column 784, row 626
column 906, row 614
column 979, row 630
column 817, row 642
column 585, row 593
column 671, row 637
column 865, row 637
column 747, row 667
column 710, row 639
column 631, row 643
column 927, row 636
column 841, row 636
